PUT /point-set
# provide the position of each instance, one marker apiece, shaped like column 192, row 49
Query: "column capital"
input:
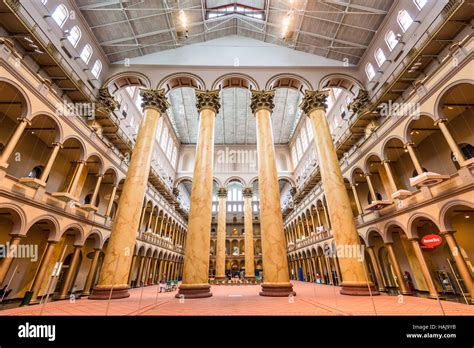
column 409, row 144
column 105, row 102
column 57, row 143
column 367, row 174
column 154, row 99
column 247, row 192
column 441, row 120
column 385, row 161
column 262, row 100
column 360, row 103
column 222, row 192
column 208, row 99
column 81, row 162
column 314, row 100
column 442, row 233
column 100, row 175
column 24, row 119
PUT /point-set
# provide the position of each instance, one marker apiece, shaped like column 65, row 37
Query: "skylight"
column 239, row 9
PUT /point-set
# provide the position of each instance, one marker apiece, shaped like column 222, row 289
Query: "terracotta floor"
column 311, row 299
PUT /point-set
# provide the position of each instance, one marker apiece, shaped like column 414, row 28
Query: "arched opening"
column 459, row 221
column 456, row 108
column 65, row 167
column 34, row 147
column 400, row 164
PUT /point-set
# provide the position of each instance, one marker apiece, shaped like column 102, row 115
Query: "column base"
column 194, row 291
column 358, row 290
column 62, row 297
column 435, row 297
column 277, row 290
column 220, row 277
column 105, row 293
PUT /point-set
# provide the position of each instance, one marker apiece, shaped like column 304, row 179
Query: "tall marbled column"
column 275, row 264
column 339, row 206
column 118, row 258
column 196, row 258
column 248, row 230
column 221, row 227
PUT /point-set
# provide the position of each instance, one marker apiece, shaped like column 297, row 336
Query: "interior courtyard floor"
column 311, row 299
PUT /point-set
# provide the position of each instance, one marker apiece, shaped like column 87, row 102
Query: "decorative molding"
column 262, row 100
column 314, row 100
column 154, row 99
column 208, row 99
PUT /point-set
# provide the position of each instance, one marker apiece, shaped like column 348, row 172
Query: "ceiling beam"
column 358, row 7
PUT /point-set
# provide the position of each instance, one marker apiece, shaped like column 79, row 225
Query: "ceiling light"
column 183, row 19
column 467, row 216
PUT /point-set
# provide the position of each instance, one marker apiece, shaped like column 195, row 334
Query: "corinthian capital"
column 105, row 102
column 206, row 99
column 262, row 100
column 313, row 100
column 154, row 99
column 360, row 103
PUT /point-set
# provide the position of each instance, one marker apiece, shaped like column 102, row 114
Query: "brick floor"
column 311, row 299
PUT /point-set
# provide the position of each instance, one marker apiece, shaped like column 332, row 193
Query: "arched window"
column 391, row 40
column 404, row 20
column 164, row 138
column 369, row 70
column 309, row 129
column 158, row 129
column 60, row 15
column 304, row 139
column 420, row 3
column 86, row 53
column 96, row 69
column 379, row 56
column 36, row 172
column 74, row 35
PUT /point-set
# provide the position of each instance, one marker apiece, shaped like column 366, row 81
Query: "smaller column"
column 49, row 164
column 451, row 142
column 391, row 179
column 460, row 262
column 414, row 158
column 96, row 190
column 221, row 233
column 41, row 273
column 91, row 274
column 396, row 267
column 424, row 269
column 111, row 201
column 64, row 291
column 13, row 142
column 6, row 261
column 357, row 200
column 248, row 228
column 75, row 179
column 130, row 275
column 378, row 272
column 371, row 187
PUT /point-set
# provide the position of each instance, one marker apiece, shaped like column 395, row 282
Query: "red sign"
column 431, row 240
